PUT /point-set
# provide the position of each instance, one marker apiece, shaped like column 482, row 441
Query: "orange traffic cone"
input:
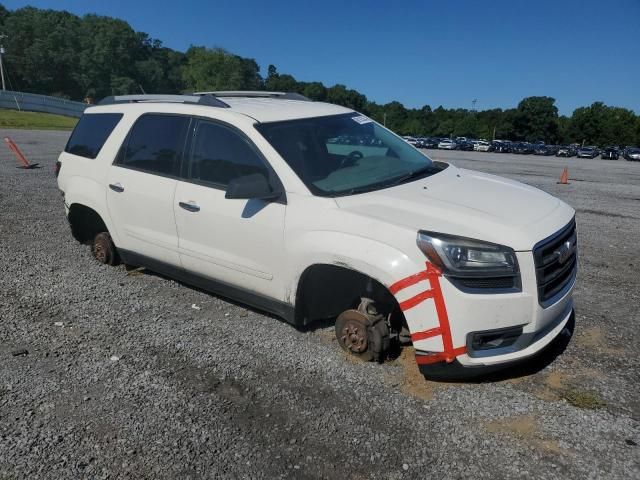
column 564, row 177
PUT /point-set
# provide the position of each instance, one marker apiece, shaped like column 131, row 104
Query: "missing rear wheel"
column 103, row 249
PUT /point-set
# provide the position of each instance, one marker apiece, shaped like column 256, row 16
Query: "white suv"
column 313, row 211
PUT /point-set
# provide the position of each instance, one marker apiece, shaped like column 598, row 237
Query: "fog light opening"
column 495, row 339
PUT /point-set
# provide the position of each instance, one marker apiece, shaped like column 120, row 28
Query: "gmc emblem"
column 564, row 251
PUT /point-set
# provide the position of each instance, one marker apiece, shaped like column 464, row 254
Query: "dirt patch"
column 525, row 428
column 551, row 387
column 594, row 337
column 350, row 357
column 522, row 426
column 412, row 382
column 556, row 386
column 327, row 335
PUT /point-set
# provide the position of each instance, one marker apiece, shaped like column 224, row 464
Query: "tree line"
column 58, row 53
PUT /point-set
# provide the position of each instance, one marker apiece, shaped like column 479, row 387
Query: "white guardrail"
column 34, row 102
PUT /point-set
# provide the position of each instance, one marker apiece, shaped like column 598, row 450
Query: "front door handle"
column 116, row 187
column 190, row 206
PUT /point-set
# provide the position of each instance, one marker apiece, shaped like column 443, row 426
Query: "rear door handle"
column 116, row 187
column 190, row 206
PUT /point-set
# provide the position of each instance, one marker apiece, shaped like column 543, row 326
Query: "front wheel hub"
column 352, row 332
column 354, row 337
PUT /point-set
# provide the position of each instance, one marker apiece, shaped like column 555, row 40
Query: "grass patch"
column 35, row 120
column 584, row 399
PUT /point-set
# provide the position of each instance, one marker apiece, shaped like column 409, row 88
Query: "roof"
column 261, row 106
column 274, row 109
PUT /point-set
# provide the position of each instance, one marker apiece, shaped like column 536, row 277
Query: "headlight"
column 465, row 257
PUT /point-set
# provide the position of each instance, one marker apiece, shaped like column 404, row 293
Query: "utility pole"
column 384, row 119
column 2, row 37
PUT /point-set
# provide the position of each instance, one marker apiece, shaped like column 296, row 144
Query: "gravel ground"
column 123, row 378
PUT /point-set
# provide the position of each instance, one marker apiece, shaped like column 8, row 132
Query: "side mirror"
column 252, row 186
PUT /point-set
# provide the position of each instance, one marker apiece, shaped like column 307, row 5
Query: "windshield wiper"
column 394, row 181
column 410, row 176
column 354, row 190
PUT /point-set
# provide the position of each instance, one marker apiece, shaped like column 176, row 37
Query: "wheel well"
column 85, row 223
column 325, row 291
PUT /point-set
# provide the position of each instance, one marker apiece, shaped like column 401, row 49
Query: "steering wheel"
column 351, row 158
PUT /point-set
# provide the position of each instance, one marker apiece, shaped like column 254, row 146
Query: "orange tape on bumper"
column 432, row 274
column 440, row 357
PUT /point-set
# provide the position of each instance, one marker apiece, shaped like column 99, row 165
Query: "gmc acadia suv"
column 251, row 196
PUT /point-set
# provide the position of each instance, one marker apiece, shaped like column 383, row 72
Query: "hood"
column 469, row 204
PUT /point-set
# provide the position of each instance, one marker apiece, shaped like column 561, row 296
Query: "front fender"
column 380, row 261
column 384, row 263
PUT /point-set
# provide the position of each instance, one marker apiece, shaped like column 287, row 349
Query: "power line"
column 2, row 37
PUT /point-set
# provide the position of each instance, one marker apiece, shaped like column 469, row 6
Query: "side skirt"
column 241, row 295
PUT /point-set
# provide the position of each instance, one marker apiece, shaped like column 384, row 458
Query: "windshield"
column 346, row 154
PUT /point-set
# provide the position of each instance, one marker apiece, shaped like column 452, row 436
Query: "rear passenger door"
column 237, row 242
column 142, row 183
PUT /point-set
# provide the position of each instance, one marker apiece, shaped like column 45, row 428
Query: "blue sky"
column 437, row 53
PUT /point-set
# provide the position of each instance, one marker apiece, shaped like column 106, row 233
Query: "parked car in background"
column 430, row 142
column 411, row 140
column 587, row 152
column 464, row 145
column 501, row 146
column 522, row 148
column 566, row 151
column 482, row 146
column 539, row 149
column 447, row 144
column 632, row 154
column 545, row 150
column 610, row 153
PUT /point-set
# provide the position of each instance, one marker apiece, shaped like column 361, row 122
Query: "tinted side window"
column 219, row 154
column 91, row 132
column 155, row 144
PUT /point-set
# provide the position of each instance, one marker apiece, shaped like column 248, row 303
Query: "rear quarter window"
column 155, row 144
column 90, row 133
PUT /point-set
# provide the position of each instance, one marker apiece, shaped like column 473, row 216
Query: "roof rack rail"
column 257, row 94
column 206, row 100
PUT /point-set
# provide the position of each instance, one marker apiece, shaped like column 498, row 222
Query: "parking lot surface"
column 115, row 373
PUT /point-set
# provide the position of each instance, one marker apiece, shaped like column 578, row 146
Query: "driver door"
column 237, row 242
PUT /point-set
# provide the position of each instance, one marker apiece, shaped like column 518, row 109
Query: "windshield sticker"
column 361, row 119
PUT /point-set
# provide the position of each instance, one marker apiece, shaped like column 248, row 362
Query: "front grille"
column 556, row 260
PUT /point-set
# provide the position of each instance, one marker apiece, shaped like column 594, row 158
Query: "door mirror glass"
column 251, row 186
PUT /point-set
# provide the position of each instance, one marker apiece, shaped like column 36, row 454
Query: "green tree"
column 282, row 83
column 216, row 69
column 599, row 124
column 42, row 51
column 58, row 53
column 315, row 91
column 396, row 117
column 536, row 119
column 341, row 95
